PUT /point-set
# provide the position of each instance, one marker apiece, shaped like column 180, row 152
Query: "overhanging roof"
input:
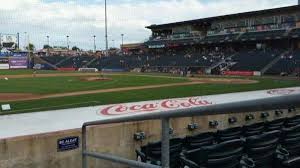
column 204, row 21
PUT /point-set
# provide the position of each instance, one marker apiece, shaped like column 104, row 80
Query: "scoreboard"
column 8, row 41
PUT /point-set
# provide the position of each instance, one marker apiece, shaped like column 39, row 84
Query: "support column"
column 165, row 142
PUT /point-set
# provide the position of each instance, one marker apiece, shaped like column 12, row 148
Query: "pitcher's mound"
column 90, row 79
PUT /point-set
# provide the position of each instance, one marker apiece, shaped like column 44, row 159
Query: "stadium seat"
column 229, row 134
column 224, row 155
column 263, row 149
column 290, row 140
column 275, row 125
column 254, row 129
column 151, row 153
column 200, row 140
column 290, row 122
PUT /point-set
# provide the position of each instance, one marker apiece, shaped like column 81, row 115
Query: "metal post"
column 106, row 40
column 94, row 43
column 18, row 38
column 48, row 42
column 165, row 142
column 84, row 157
column 68, row 42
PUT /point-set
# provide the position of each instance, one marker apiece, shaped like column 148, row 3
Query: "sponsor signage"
column 4, row 66
column 239, row 73
column 3, row 60
column 23, row 54
column 67, row 143
column 18, row 62
column 157, row 46
column 164, row 105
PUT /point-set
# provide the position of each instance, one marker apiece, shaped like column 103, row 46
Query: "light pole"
column 106, row 40
column 122, row 39
column 25, row 41
column 48, row 42
column 122, row 35
column 48, row 47
column 94, row 43
column 68, row 42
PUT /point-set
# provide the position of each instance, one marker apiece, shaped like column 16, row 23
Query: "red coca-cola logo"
column 281, row 91
column 123, row 109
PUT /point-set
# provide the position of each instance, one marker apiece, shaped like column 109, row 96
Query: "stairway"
column 62, row 61
column 90, row 62
column 218, row 64
column 272, row 63
column 40, row 60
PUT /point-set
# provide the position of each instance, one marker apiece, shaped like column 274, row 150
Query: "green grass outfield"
column 146, row 94
column 29, row 71
column 50, row 85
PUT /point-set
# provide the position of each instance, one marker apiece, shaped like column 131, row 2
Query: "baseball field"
column 28, row 91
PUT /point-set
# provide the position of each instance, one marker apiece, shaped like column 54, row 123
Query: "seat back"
column 224, row 155
column 153, row 150
column 291, row 122
column 229, row 134
column 261, row 148
column 290, row 139
column 197, row 141
column 275, row 125
column 254, row 129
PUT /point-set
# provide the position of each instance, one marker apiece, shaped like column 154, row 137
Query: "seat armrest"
column 292, row 162
column 141, row 157
column 246, row 162
column 185, row 163
column 282, row 154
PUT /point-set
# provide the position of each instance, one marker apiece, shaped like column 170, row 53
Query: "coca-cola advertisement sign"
column 163, row 105
column 281, row 91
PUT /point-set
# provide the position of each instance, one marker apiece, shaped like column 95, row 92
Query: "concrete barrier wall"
column 40, row 151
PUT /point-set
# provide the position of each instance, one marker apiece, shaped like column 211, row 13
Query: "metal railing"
column 265, row 103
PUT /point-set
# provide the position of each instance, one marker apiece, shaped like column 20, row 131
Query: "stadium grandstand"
column 260, row 42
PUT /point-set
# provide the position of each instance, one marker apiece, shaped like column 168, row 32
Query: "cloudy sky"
column 81, row 19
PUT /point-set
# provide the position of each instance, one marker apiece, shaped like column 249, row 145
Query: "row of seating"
column 257, row 145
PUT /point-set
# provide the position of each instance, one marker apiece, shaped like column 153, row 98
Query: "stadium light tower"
column 122, row 35
column 68, row 42
column 94, row 43
column 106, row 40
column 25, row 41
column 48, row 42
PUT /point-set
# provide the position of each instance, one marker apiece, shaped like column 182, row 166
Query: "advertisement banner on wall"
column 238, row 73
column 4, row 60
column 4, row 66
column 18, row 62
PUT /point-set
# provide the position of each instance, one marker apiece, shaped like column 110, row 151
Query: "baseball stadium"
column 216, row 92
